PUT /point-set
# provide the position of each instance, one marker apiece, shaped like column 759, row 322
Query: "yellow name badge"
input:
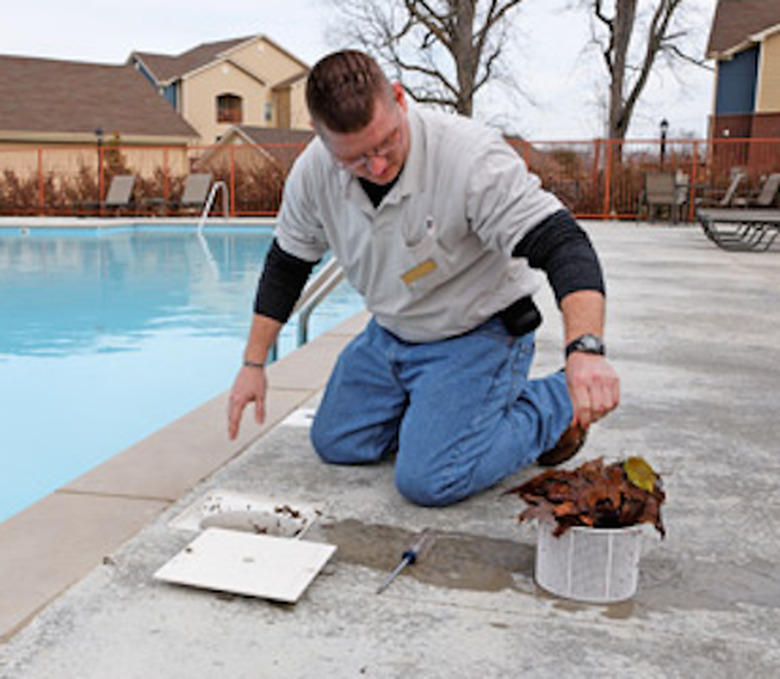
column 418, row 272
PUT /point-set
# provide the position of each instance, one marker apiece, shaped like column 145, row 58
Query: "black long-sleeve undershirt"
column 281, row 283
column 559, row 247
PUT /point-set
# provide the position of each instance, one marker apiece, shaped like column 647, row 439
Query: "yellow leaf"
column 640, row 473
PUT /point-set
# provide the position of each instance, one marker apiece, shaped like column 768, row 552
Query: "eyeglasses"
column 388, row 145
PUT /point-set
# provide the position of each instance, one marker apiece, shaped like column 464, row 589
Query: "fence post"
column 694, row 181
column 166, row 181
column 41, row 206
column 607, row 180
column 594, row 180
column 101, row 181
column 232, row 180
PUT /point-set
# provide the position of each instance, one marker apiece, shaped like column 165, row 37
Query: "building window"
column 229, row 108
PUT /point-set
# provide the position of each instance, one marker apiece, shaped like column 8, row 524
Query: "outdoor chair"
column 752, row 224
column 192, row 199
column 682, row 183
column 728, row 197
column 196, row 190
column 766, row 197
column 660, row 193
column 118, row 197
column 740, row 228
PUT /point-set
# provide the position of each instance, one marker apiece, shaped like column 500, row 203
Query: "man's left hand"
column 594, row 387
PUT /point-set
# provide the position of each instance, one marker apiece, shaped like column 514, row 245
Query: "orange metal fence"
column 605, row 178
column 595, row 178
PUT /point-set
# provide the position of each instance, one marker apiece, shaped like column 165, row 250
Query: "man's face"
column 378, row 151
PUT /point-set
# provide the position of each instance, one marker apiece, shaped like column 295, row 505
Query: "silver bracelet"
column 253, row 364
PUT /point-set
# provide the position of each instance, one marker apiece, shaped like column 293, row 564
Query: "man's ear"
column 399, row 95
column 317, row 127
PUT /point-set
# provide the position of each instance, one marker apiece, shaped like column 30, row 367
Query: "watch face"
column 589, row 344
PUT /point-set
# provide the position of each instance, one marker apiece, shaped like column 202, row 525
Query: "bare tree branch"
column 682, row 56
column 447, row 49
column 629, row 69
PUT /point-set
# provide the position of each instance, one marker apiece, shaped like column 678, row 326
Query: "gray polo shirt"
column 434, row 259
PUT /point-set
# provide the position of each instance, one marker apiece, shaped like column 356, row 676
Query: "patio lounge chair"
column 766, row 196
column 196, row 190
column 739, row 228
column 120, row 193
column 729, row 197
column 118, row 197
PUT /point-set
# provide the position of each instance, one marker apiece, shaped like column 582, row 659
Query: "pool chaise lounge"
column 740, row 229
column 119, row 196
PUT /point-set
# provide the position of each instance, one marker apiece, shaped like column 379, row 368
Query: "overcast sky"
column 553, row 64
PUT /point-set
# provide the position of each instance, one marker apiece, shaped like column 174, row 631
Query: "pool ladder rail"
column 215, row 187
column 316, row 290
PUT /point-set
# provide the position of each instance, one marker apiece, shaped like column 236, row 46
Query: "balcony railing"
column 229, row 115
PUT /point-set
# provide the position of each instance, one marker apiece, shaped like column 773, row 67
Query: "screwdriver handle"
column 424, row 542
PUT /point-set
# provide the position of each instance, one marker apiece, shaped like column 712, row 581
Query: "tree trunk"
column 622, row 28
column 466, row 60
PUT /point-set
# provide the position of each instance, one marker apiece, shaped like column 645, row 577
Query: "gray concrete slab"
column 694, row 333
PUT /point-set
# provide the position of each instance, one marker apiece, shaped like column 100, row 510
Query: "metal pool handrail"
column 316, row 290
column 216, row 186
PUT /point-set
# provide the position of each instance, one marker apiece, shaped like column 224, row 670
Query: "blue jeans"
column 461, row 413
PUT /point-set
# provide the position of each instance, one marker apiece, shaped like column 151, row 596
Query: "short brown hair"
column 342, row 90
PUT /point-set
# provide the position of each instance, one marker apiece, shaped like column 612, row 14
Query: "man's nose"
column 377, row 164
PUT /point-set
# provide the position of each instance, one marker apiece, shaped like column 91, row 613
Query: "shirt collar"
column 412, row 177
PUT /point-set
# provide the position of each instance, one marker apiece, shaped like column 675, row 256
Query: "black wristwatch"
column 587, row 344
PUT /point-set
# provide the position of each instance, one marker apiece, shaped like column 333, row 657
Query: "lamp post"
column 664, row 130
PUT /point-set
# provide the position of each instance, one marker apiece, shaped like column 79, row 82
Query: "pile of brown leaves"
column 601, row 496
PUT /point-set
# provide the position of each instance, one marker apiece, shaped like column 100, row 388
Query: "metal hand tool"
column 423, row 543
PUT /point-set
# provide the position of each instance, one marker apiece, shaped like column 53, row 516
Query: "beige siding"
column 282, row 108
column 768, row 99
column 200, row 92
column 267, row 61
column 234, row 75
column 66, row 161
column 299, row 116
column 274, row 66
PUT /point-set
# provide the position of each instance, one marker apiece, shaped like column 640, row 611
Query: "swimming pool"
column 107, row 335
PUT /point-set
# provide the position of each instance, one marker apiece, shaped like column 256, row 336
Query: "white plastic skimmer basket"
column 595, row 565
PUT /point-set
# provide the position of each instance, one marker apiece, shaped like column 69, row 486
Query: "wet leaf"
column 598, row 495
column 640, row 473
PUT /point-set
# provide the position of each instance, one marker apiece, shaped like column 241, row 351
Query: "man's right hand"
column 248, row 387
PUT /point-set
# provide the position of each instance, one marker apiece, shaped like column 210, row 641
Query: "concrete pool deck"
column 694, row 332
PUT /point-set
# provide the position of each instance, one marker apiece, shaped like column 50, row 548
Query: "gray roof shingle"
column 43, row 95
column 273, row 135
column 736, row 20
column 283, row 145
column 165, row 67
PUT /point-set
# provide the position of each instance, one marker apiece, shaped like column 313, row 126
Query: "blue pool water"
column 108, row 335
